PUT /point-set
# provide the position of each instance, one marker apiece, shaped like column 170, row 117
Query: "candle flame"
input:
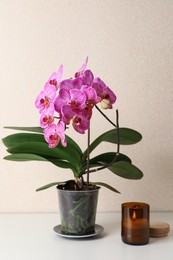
column 134, row 215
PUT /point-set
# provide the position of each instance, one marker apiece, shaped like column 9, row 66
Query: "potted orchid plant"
column 70, row 103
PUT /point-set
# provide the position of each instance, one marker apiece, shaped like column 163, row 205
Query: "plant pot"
column 77, row 210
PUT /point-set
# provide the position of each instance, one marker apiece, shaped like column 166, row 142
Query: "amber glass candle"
column 135, row 223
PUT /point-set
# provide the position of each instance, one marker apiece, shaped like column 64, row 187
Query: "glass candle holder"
column 135, row 224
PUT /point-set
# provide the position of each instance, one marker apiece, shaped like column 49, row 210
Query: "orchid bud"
column 105, row 103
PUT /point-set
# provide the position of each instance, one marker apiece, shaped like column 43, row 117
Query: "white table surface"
column 31, row 237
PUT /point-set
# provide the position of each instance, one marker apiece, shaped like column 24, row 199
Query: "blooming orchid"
column 71, row 102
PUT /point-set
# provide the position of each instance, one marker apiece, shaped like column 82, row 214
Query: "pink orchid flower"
column 47, row 116
column 69, row 103
column 91, row 94
column 74, row 103
column 54, row 134
column 46, row 97
column 55, row 78
column 104, row 92
column 87, row 77
column 80, row 123
column 67, row 114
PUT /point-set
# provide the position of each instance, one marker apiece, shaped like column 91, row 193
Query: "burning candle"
column 135, row 223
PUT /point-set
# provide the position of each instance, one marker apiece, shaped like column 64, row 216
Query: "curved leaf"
column 24, row 157
column 74, row 144
column 43, row 150
column 105, row 159
column 18, row 138
column 126, row 170
column 35, row 129
column 127, row 136
column 12, row 139
column 105, row 185
column 31, row 143
column 49, row 185
column 108, row 157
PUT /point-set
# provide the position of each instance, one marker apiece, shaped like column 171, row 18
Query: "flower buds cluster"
column 73, row 100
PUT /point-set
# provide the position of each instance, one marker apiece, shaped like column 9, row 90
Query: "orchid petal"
column 78, row 99
column 62, row 99
column 54, row 133
column 47, row 116
column 91, row 94
column 87, row 77
column 46, row 97
column 80, row 124
column 82, row 68
column 104, row 92
column 67, row 114
column 55, row 78
column 99, row 86
column 50, row 91
column 69, row 84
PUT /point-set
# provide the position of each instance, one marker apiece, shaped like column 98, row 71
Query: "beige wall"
column 130, row 45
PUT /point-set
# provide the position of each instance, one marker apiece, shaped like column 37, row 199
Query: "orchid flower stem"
column 105, row 116
column 118, row 132
column 88, row 156
column 117, row 153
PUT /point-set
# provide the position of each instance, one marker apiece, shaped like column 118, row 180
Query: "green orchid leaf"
column 24, row 157
column 105, row 185
column 13, row 139
column 105, row 159
column 38, row 130
column 47, row 186
column 30, row 143
column 42, row 149
column 52, row 184
column 18, row 138
column 74, row 144
column 35, row 129
column 63, row 164
column 126, row 170
column 127, row 136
